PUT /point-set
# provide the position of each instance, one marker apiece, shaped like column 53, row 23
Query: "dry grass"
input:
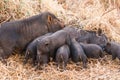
column 105, row 70
column 90, row 14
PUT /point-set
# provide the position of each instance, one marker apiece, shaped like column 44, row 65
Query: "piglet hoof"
column 85, row 66
column 64, row 69
column 33, row 65
column 77, row 64
column 4, row 62
column 24, row 63
column 44, row 66
column 58, row 68
column 38, row 68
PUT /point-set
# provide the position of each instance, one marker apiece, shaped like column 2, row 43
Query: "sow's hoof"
column 3, row 61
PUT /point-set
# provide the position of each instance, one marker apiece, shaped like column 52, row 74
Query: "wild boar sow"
column 17, row 34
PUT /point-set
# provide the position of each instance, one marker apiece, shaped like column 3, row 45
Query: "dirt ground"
column 86, row 14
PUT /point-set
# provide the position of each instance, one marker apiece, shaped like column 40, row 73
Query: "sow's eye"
column 55, row 21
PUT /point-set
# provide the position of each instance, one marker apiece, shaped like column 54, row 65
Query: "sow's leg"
column 4, row 54
column 2, row 57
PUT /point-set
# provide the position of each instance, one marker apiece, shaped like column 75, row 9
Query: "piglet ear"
column 46, row 43
column 99, row 32
column 49, row 19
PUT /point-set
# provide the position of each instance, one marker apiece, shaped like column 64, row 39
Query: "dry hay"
column 90, row 14
column 105, row 70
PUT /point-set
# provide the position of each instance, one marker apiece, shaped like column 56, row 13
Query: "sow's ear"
column 99, row 32
column 49, row 19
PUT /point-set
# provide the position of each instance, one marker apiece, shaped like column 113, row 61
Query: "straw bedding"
column 86, row 14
